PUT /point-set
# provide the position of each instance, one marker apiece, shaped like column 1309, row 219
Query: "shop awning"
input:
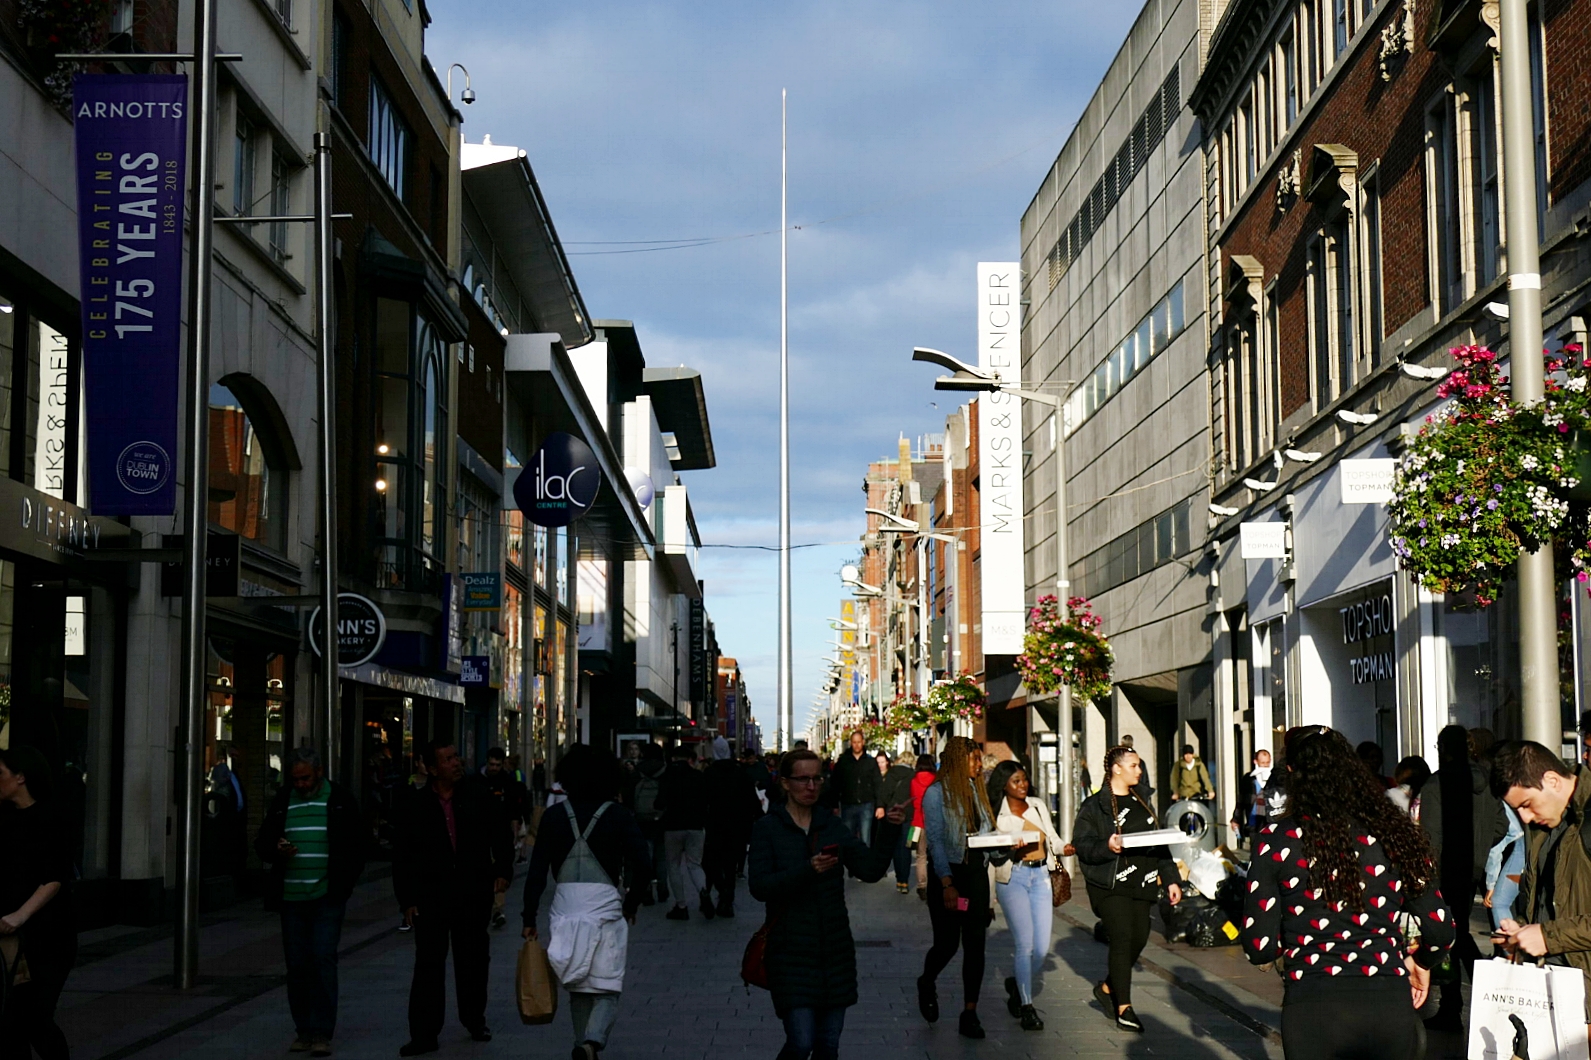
column 543, row 381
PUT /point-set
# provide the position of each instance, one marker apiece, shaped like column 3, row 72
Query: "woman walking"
column 1332, row 877
column 954, row 807
column 1124, row 883
column 795, row 867
column 1022, row 884
column 36, row 875
column 920, row 782
column 585, row 843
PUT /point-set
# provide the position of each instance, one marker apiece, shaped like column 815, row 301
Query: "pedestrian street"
column 683, row 996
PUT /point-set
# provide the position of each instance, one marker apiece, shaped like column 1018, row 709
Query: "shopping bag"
column 538, row 990
column 1538, row 1008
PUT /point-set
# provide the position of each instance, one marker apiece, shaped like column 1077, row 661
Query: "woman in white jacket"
column 1022, row 883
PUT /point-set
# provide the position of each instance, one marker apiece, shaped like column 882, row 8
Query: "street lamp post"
column 968, row 378
column 1538, row 636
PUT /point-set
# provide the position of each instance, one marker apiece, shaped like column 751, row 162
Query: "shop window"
column 247, row 495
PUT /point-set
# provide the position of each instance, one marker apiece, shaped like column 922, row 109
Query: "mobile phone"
column 962, row 905
column 832, row 850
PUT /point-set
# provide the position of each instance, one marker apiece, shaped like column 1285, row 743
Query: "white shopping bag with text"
column 1541, row 1008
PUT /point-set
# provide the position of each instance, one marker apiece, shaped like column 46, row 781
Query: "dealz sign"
column 361, row 629
column 560, row 483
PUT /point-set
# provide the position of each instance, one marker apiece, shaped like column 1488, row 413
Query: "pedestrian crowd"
column 1358, row 884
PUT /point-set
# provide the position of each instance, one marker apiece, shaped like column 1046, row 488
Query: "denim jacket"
column 946, row 831
column 1494, row 857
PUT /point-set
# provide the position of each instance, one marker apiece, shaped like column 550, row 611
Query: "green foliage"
column 1065, row 648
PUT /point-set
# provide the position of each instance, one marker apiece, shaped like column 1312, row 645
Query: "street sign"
column 361, row 629
column 1263, row 540
column 223, row 554
column 560, row 483
column 483, row 591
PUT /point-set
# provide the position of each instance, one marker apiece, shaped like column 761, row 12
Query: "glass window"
column 538, row 544
column 281, row 204
column 245, row 495
column 1174, row 304
column 1488, row 233
column 1340, row 29
column 1289, row 74
column 1161, row 326
column 1141, row 344
column 242, row 166
column 390, row 139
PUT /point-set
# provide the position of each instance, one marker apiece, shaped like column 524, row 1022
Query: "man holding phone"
column 312, row 839
column 1552, row 915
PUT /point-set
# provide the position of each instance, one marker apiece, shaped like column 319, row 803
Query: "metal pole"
column 785, row 705
column 1064, row 775
column 1538, row 625
column 924, row 667
column 330, row 685
column 196, row 495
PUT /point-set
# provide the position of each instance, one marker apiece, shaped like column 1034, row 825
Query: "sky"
column 918, row 133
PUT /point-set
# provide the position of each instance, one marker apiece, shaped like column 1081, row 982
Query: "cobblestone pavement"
column 683, row 994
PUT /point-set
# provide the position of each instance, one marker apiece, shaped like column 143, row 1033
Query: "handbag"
column 1060, row 885
column 754, row 962
column 1526, row 1010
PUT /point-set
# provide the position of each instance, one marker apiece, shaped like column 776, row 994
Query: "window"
column 246, row 496
column 1488, row 230
column 1290, row 73
column 390, row 139
column 1446, row 219
column 1331, row 303
column 411, row 448
column 1245, row 117
column 40, row 396
column 339, row 59
column 243, row 166
column 1150, row 544
column 1371, row 270
column 284, row 11
column 281, row 205
column 1538, row 114
column 1154, row 333
column 1340, row 28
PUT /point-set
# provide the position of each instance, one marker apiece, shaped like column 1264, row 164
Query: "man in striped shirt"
column 312, row 838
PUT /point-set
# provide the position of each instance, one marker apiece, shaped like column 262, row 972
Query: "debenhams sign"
column 1000, row 458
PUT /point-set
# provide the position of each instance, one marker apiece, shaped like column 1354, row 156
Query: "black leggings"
column 29, row 1023
column 1335, row 1019
column 1127, row 924
column 953, row 928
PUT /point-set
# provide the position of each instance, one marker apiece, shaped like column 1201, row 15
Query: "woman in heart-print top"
column 1333, row 886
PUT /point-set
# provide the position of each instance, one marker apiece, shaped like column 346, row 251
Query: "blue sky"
column 918, row 134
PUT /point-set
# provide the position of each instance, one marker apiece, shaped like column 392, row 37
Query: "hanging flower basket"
column 1486, row 477
column 958, row 699
column 907, row 714
column 1065, row 647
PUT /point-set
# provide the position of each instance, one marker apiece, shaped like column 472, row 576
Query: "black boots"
column 928, row 1000
column 970, row 1027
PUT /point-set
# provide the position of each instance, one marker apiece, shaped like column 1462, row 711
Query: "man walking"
column 682, row 796
column 1190, row 779
column 895, row 788
column 451, row 853
column 1252, row 801
column 313, row 839
column 732, row 808
column 854, row 787
column 509, row 792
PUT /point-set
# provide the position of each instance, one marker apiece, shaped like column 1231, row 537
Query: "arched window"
column 247, row 488
column 433, row 442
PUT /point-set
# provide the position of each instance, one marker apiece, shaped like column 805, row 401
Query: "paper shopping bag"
column 1526, row 1010
column 538, row 990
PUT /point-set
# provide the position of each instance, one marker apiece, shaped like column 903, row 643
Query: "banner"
column 1001, row 564
column 131, row 144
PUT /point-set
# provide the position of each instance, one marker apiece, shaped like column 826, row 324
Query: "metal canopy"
column 543, row 381
column 681, row 409
column 509, row 201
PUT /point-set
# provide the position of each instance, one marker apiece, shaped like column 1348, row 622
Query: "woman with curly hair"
column 1124, row 883
column 954, row 807
column 1327, row 889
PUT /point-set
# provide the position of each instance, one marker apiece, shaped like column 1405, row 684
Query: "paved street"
column 683, row 997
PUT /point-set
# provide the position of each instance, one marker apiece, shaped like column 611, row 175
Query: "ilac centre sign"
column 560, row 483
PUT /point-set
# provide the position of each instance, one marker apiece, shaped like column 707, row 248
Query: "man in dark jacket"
column 313, row 839
column 732, row 808
column 853, row 788
column 451, row 853
column 509, row 791
column 894, row 788
column 641, row 794
column 683, row 799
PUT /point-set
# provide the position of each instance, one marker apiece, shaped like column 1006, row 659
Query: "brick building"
column 1354, row 200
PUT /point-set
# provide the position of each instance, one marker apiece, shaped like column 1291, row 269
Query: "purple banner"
column 131, row 148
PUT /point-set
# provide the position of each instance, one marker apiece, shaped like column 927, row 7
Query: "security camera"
column 469, row 96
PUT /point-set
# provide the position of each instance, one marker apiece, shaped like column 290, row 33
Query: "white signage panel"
column 1000, row 459
column 1367, row 481
column 1263, row 540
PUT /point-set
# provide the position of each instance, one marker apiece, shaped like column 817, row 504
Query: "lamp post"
column 968, row 378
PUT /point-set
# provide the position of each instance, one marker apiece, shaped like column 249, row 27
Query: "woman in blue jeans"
column 1022, row 884
column 1505, row 863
